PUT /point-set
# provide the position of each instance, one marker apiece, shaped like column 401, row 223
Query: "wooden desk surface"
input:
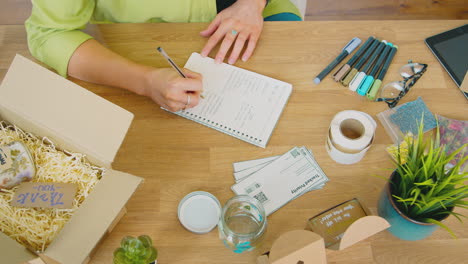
column 177, row 156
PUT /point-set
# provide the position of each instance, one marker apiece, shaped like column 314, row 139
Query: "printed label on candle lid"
column 5, row 158
column 45, row 195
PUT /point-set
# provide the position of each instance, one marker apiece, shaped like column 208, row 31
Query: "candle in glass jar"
column 16, row 165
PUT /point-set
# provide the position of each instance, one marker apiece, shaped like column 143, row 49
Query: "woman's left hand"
column 240, row 23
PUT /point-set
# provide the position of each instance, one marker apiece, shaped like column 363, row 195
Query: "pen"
column 361, row 61
column 369, row 79
column 378, row 82
column 357, row 80
column 344, row 69
column 346, row 50
column 172, row 63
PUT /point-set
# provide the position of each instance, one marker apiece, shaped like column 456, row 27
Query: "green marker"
column 359, row 64
column 369, row 79
column 359, row 78
column 378, row 82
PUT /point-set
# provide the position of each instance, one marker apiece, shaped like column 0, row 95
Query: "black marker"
column 357, row 80
column 345, row 51
column 340, row 73
column 378, row 82
column 361, row 61
column 367, row 82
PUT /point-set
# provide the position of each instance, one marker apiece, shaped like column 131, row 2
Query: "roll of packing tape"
column 350, row 136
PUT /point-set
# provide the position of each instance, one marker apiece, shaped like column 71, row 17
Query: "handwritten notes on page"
column 240, row 103
column 45, row 195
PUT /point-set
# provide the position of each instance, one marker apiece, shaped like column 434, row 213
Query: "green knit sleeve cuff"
column 57, row 50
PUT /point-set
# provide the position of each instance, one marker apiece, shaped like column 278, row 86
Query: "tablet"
column 451, row 49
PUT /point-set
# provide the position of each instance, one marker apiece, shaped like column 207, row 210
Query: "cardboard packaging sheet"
column 307, row 247
column 47, row 105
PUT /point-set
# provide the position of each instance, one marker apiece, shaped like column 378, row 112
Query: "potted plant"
column 136, row 251
column 422, row 191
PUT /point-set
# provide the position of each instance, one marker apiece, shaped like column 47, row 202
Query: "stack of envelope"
column 277, row 180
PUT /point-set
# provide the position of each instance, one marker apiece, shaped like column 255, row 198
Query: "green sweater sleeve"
column 280, row 6
column 53, row 30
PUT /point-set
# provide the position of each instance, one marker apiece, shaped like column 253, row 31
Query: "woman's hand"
column 240, row 23
column 92, row 62
column 171, row 91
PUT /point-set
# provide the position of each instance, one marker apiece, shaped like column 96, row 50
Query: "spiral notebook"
column 238, row 102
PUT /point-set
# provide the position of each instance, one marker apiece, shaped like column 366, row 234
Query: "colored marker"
column 359, row 64
column 378, row 82
column 357, row 80
column 369, row 79
column 344, row 69
column 345, row 51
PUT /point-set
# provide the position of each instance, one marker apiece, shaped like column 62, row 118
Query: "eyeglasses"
column 394, row 91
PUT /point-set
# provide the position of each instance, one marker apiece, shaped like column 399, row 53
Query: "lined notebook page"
column 237, row 102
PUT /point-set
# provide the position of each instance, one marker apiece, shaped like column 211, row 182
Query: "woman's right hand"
column 172, row 91
column 92, row 62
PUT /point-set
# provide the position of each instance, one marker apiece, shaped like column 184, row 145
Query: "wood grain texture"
column 14, row 12
column 431, row 251
column 177, row 156
column 386, row 9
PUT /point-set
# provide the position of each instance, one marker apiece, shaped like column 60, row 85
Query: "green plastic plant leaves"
column 430, row 220
column 423, row 188
column 135, row 251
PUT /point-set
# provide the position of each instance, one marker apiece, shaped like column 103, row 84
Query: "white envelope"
column 283, row 180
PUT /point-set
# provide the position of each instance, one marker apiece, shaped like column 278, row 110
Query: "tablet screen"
column 455, row 53
column 451, row 49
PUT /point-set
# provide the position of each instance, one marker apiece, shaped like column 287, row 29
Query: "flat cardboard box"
column 298, row 246
column 47, row 105
column 307, row 247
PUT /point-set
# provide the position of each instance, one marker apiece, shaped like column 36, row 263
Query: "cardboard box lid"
column 363, row 228
column 296, row 246
column 92, row 220
column 13, row 252
column 44, row 103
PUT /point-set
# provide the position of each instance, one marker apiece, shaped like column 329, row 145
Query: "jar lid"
column 199, row 212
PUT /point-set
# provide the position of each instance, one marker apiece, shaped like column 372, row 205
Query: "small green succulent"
column 135, row 251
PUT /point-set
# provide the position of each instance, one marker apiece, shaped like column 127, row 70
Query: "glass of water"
column 242, row 224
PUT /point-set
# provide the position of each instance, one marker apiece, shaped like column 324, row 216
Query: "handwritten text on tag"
column 45, row 195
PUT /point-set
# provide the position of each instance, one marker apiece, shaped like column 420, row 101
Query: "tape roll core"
column 352, row 129
column 358, row 143
column 350, row 135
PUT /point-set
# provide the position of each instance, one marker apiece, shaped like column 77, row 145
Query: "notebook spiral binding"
column 218, row 126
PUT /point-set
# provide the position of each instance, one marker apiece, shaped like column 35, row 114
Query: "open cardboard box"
column 307, row 247
column 47, row 105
